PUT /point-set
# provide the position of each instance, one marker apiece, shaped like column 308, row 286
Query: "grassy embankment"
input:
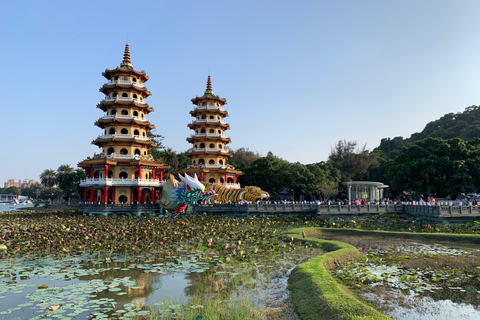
column 317, row 294
column 461, row 239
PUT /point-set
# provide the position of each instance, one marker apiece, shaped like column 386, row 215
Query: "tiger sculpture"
column 226, row 195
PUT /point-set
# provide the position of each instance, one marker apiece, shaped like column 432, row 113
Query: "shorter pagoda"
column 123, row 178
column 210, row 153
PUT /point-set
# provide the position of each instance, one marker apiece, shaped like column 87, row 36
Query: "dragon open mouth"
column 206, row 195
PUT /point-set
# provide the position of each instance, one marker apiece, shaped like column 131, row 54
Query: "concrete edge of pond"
column 316, row 293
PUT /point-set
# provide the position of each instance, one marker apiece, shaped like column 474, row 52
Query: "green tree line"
column 442, row 160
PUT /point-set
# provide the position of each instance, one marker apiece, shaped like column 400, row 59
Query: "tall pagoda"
column 209, row 153
column 124, row 174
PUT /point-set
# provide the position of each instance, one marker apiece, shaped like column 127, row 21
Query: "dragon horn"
column 182, row 179
column 195, row 177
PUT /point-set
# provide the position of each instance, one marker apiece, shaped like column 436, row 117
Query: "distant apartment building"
column 20, row 184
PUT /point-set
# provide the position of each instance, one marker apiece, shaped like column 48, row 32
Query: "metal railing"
column 215, row 135
column 209, row 107
column 139, row 84
column 121, row 182
column 122, row 116
column 122, row 136
column 108, row 99
column 208, row 120
column 209, row 150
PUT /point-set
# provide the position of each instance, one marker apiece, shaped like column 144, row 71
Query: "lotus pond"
column 66, row 265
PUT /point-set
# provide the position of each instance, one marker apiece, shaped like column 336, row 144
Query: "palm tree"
column 65, row 176
column 48, row 178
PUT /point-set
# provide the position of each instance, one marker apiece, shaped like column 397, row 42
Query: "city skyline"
column 297, row 78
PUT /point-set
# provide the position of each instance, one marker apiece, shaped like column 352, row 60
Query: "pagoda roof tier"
column 96, row 161
column 127, row 71
column 209, row 97
column 103, row 139
column 208, row 151
column 211, row 169
column 118, row 85
column 207, row 123
column 208, row 137
column 209, row 111
column 149, row 163
column 106, row 104
column 101, row 122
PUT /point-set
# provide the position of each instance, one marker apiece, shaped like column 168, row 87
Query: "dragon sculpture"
column 178, row 194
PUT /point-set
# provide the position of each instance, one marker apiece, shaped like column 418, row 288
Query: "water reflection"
column 450, row 269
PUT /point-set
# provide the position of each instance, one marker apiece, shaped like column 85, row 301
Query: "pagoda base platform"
column 120, row 209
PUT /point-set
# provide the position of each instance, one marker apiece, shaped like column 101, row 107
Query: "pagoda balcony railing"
column 208, row 120
column 139, row 84
column 124, row 156
column 197, row 135
column 122, row 116
column 208, row 166
column 122, row 136
column 209, row 150
column 121, row 182
column 123, row 99
column 209, row 107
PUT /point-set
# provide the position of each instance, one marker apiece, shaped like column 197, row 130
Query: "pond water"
column 81, row 286
column 410, row 280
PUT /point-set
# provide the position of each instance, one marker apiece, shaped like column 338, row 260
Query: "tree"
column 242, row 158
column 327, row 179
column 14, row 190
column 353, row 164
column 437, row 166
column 269, row 173
column 48, row 178
column 158, row 140
column 51, row 193
column 32, row 191
column 65, row 177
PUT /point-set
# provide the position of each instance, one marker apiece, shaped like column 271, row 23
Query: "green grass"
column 451, row 237
column 201, row 307
column 316, row 293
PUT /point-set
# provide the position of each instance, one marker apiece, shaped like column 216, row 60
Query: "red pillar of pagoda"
column 154, row 195
column 131, row 196
column 139, row 195
column 91, row 194
column 161, row 175
column 114, row 195
column 105, row 192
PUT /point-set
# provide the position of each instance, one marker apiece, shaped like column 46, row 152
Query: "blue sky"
column 298, row 75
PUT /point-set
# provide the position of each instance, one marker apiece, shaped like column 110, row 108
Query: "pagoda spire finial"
column 209, row 86
column 126, row 57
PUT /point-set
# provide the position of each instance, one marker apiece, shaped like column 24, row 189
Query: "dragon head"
column 191, row 191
